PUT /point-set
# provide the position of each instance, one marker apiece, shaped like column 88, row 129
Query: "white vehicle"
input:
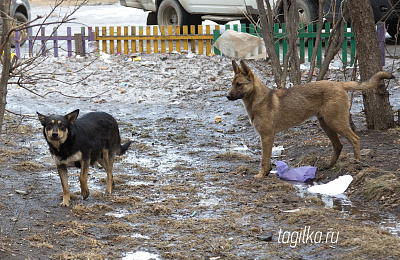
column 185, row 12
column 193, row 12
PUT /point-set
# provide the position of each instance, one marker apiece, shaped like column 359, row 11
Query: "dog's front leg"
column 83, row 178
column 63, row 172
column 267, row 141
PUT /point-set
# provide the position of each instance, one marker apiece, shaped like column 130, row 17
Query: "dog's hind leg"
column 108, row 163
column 83, row 178
column 336, row 143
column 63, row 172
column 353, row 139
column 340, row 125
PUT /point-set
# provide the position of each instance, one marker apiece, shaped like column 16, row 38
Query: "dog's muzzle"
column 229, row 97
column 233, row 98
column 54, row 136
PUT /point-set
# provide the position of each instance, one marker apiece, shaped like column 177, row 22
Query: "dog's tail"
column 372, row 83
column 124, row 147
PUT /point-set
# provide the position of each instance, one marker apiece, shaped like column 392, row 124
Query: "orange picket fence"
column 154, row 39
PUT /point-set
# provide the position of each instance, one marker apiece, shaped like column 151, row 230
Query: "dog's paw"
column 262, row 173
column 65, row 204
column 355, row 161
column 85, row 194
column 259, row 176
column 66, row 200
column 109, row 190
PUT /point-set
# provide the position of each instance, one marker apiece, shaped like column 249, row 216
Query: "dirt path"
column 181, row 192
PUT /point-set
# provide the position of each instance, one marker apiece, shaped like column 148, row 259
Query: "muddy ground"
column 185, row 188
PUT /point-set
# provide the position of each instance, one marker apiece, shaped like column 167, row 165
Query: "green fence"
column 307, row 36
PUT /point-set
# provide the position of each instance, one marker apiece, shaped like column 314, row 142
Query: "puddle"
column 209, row 202
column 137, row 235
column 242, row 149
column 340, row 202
column 169, row 158
column 34, row 144
column 141, row 183
column 140, row 255
column 117, row 214
column 45, row 159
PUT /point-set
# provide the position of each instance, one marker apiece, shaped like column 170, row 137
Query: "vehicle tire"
column 170, row 12
column 20, row 18
column 151, row 18
column 308, row 11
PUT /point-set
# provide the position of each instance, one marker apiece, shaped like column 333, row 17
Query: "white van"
column 185, row 12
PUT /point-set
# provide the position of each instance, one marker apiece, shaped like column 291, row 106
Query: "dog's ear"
column 236, row 67
column 42, row 118
column 72, row 116
column 246, row 70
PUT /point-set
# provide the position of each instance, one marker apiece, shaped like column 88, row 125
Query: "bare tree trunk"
column 291, row 59
column 267, row 30
column 318, row 39
column 335, row 42
column 379, row 114
column 4, row 9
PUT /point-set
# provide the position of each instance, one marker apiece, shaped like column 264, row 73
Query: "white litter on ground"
column 141, row 255
column 334, row 187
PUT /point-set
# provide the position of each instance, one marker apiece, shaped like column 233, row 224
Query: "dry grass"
column 229, row 156
column 35, row 237
column 245, row 170
column 119, row 227
column 159, row 209
column 279, row 186
column 314, row 200
column 182, row 168
column 42, row 245
column 370, row 242
column 28, row 166
column 384, row 188
column 310, row 216
column 81, row 209
column 7, row 153
column 69, row 233
column 84, row 255
column 132, row 200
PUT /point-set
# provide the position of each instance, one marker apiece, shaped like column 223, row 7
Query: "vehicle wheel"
column 308, row 11
column 19, row 19
column 170, row 12
column 152, row 18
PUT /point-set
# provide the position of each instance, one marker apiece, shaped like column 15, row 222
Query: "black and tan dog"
column 81, row 142
column 272, row 111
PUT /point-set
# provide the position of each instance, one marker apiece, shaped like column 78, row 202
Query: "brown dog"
column 272, row 111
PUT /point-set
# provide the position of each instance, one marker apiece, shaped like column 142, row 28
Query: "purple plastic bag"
column 297, row 174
